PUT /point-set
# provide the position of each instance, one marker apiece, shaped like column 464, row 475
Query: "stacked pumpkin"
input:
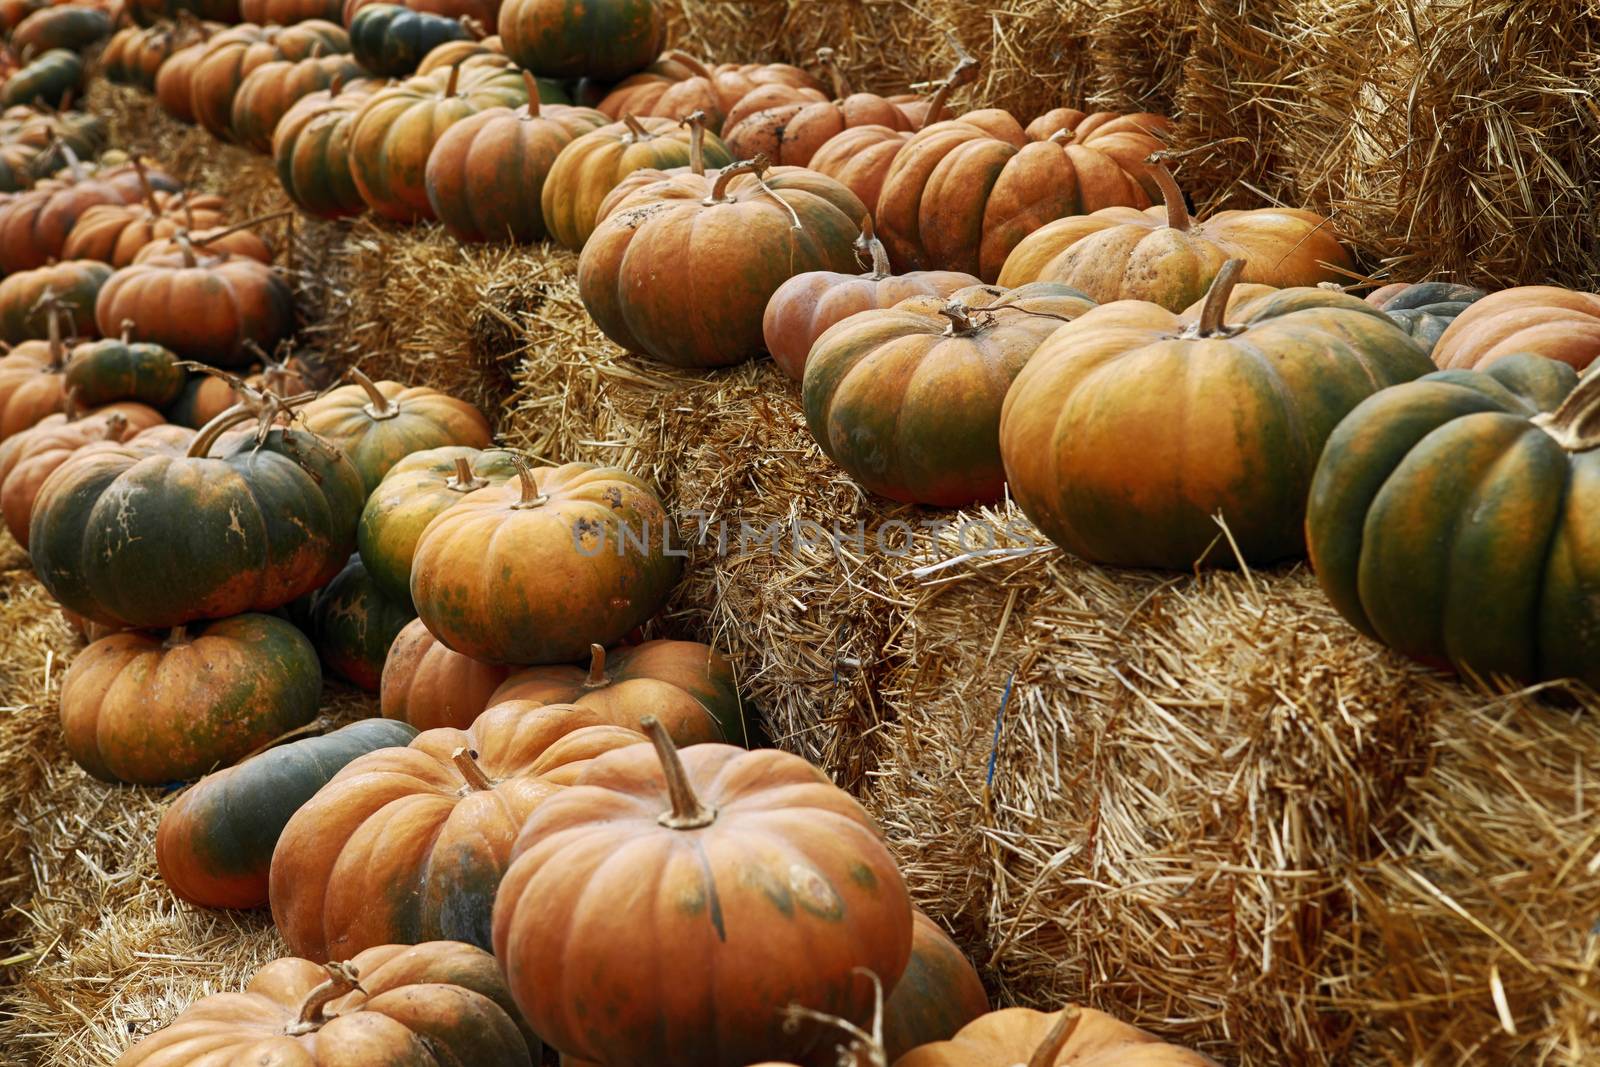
column 45, row 52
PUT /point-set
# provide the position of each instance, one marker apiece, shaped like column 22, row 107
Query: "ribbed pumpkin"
column 677, row 85
column 1424, row 309
column 412, row 494
column 29, row 299
column 537, row 570
column 52, row 80
column 29, row 458
column 352, row 623
column 157, row 541
column 938, row 994
column 1132, row 427
column 289, row 12
column 397, row 128
column 805, row 306
column 391, row 39
column 116, row 233
column 594, row 164
column 437, row 1003
column 239, row 240
column 688, row 686
column 730, row 238
column 232, row 56
column 486, row 175
column 13, row 12
column 311, row 151
column 32, row 382
column 71, row 26
column 134, row 55
column 1559, row 323
column 1075, row 1037
column 427, row 685
column 137, row 708
column 101, row 372
column 243, row 301
column 377, row 424
column 214, row 844
column 1453, row 519
column 752, row 883
column 409, row 844
column 267, row 93
column 174, row 81
column 34, row 225
column 1164, row 256
column 962, row 194
column 604, row 39
column 150, row 12
column 907, row 400
column 452, row 53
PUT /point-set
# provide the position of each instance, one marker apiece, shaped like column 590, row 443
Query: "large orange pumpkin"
column 963, row 193
column 431, row 1004
column 175, row 80
column 1561, row 324
column 750, row 880
column 427, row 685
column 268, row 91
column 408, row 844
column 1164, row 256
column 537, row 570
column 1074, row 1037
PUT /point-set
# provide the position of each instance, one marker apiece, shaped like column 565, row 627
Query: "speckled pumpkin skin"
column 135, row 710
column 938, row 994
column 1011, row 1036
column 214, row 844
column 399, row 848
column 422, row 418
column 417, row 1006
column 353, row 623
column 427, row 685
column 603, row 39
column 540, row 584
column 681, row 947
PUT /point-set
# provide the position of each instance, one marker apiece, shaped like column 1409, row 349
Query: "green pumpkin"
column 157, row 541
column 75, row 283
column 604, row 39
column 391, row 40
column 353, row 622
column 47, row 80
column 1457, row 520
column 1425, row 310
column 103, row 372
column 73, row 27
column 215, row 842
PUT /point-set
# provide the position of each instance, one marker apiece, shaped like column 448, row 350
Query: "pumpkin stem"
column 466, row 762
column 221, row 424
column 1576, row 423
column 719, row 188
column 127, row 326
column 961, row 320
column 529, row 497
column 217, row 235
column 1215, row 309
column 864, row 1049
column 636, row 129
column 825, row 58
column 532, row 85
column 474, row 27
column 687, row 813
column 58, row 349
column 177, row 636
column 694, row 64
column 144, row 186
column 186, row 247
column 1177, row 211
column 378, row 406
column 453, row 80
column 463, row 480
column 965, row 71
column 341, row 980
column 869, row 245
column 1054, row 1041
column 116, row 425
column 696, row 121
column 597, row 668
column 74, row 165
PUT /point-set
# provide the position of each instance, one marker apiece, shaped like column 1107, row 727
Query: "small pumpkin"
column 116, row 233
column 427, row 685
column 414, row 492
column 230, row 57
column 1453, row 519
column 29, row 458
column 29, row 299
column 537, row 570
column 1558, row 323
column 214, row 844
column 1424, row 309
column 34, row 225
column 52, row 80
column 805, row 306
column 74, row 27
column 408, row 844
column 134, row 55
column 604, row 39
column 768, row 877
column 32, row 382
column 1166, row 257
column 268, row 91
column 137, row 708
column 938, row 994
column 677, row 85
column 391, row 39
column 102, row 372
column 311, row 151
column 352, row 623
column 1132, row 426
column 208, row 395
column 435, row 1003
column 1073, row 1037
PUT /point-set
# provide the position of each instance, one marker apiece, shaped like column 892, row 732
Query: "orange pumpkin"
column 239, row 240
column 1560, row 324
column 1075, row 1037
column 175, row 80
column 427, row 685
column 230, row 57
column 678, row 84
column 750, row 880
column 116, row 233
column 311, row 149
column 30, row 299
column 34, row 225
column 209, row 395
column 30, row 457
column 408, row 844
column 268, row 91
column 32, row 381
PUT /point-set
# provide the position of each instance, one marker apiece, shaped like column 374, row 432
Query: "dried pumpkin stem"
column 466, row 762
column 58, row 349
column 341, row 980
column 532, row 84
column 463, row 480
column 826, row 60
column 126, row 330
column 529, row 495
column 1172, row 196
column 1576, row 423
column 965, row 71
column 864, row 1049
column 454, row 80
column 636, row 128
column 1215, row 309
column 961, row 320
column 116, row 426
column 177, row 636
column 694, row 63
column 474, row 27
column 259, row 220
column 186, row 247
column 377, row 406
column 1054, row 1041
column 869, row 244
column 696, row 121
column 597, row 668
column 207, row 435
column 687, row 813
column 144, row 186
column 719, row 188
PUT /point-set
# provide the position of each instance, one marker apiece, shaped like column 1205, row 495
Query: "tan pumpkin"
column 678, row 84
column 1560, row 324
column 428, row 685
column 1073, row 1037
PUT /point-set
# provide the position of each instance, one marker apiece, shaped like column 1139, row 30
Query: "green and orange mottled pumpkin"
column 938, row 994
column 29, row 458
column 352, row 623
column 230, row 57
column 427, row 685
column 116, row 368
column 72, row 287
column 267, row 92
column 311, row 151
column 391, row 40
column 602, row 39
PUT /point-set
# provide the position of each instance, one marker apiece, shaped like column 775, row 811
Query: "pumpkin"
column 604, row 39
column 150, row 12
column 1132, row 426
column 30, row 457
column 907, row 400
column 413, row 492
column 1074, row 1037
column 962, row 194
column 805, row 306
column 486, row 174
column 752, row 882
column 175, row 78
column 214, row 844
column 289, row 12
column 1493, row 474
column 1558, row 323
column 269, row 90
column 377, row 424
column 32, row 383
column 688, row 686
column 134, row 54
column 217, row 77
column 537, row 570
column 137, row 708
column 450, row 53
column 311, row 151
column 1424, row 309
column 208, row 395
column 391, row 40
column 1164, row 256
column 116, row 233
column 101, row 372
column 677, row 85
column 588, row 169
column 353, row 623
column 435, row 1003
column 477, row 15
column 34, row 225
column 408, row 844
column 242, row 299
column 938, row 994
column 239, row 240
column 397, row 128
column 14, row 11
column 29, row 299
column 74, row 27
column 427, row 685
column 158, row 541
column 744, row 231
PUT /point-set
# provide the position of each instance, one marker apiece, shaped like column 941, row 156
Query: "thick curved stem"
column 965, row 71
column 341, row 980
column 719, row 188
column 528, row 495
column 534, row 102
column 466, row 762
column 207, row 435
column 1054, row 1041
column 826, row 59
column 869, row 244
column 1172, row 196
column 217, row 235
column 1576, row 423
column 1215, row 310
column 696, row 66
column 597, row 668
column 636, row 128
column 377, row 406
column 961, row 320
column 687, row 813
column 463, row 480
column 696, row 121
